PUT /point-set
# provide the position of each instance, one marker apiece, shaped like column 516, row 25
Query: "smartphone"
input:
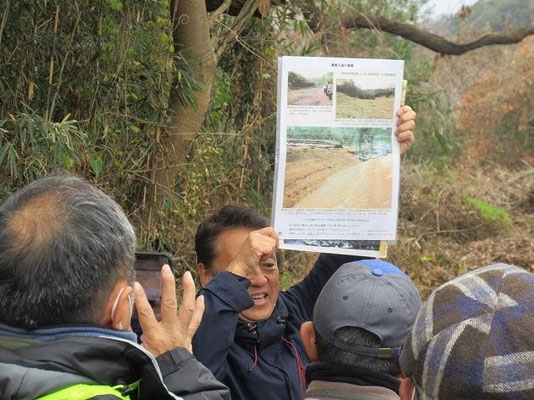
column 148, row 273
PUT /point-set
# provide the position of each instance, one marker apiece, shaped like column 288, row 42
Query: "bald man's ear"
column 307, row 334
column 406, row 388
column 204, row 274
column 118, row 311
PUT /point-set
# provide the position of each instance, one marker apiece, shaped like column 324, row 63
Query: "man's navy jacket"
column 262, row 360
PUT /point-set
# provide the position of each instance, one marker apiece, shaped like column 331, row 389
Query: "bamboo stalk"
column 4, row 19
column 48, row 114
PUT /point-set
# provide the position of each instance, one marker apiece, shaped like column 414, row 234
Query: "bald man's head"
column 37, row 222
column 63, row 245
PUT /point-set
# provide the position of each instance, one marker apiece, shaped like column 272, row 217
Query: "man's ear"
column 117, row 313
column 204, row 274
column 307, row 333
column 406, row 388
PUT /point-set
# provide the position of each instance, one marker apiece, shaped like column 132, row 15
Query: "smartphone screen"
column 148, row 273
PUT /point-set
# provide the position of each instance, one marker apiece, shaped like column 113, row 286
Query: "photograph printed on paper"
column 310, row 88
column 338, row 168
column 365, row 97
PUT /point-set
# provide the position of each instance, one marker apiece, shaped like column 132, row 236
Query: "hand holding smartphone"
column 173, row 327
column 147, row 268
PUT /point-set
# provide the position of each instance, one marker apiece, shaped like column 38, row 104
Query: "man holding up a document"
column 249, row 336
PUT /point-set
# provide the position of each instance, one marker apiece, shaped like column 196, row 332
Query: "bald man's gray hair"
column 63, row 246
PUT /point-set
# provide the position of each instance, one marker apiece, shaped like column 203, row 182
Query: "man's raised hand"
column 177, row 327
column 258, row 246
column 405, row 128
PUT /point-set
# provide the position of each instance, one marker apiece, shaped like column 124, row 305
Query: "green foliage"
column 438, row 138
column 348, row 87
column 287, row 279
column 365, row 42
column 365, row 142
column 116, row 5
column 497, row 15
column 297, row 81
column 185, row 83
column 31, row 146
column 491, row 214
column 84, row 87
column 96, row 164
column 92, row 97
column 221, row 99
column 402, row 10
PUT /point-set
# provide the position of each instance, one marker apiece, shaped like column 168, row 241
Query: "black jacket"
column 30, row 368
column 260, row 360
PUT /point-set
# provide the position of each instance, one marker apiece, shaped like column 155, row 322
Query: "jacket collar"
column 46, row 366
column 267, row 332
column 330, row 372
column 56, row 332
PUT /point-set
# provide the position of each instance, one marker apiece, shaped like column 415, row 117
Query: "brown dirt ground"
column 366, row 185
column 308, row 168
column 308, row 97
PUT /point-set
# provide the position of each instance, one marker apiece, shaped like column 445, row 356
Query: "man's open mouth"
column 259, row 299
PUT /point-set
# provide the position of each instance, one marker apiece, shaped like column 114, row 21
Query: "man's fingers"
column 407, row 126
column 405, row 137
column 168, row 295
column 406, row 140
column 404, row 109
column 263, row 247
column 146, row 316
column 268, row 247
column 188, row 300
column 198, row 312
column 407, row 116
column 269, row 231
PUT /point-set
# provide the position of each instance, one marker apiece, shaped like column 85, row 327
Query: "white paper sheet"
column 337, row 162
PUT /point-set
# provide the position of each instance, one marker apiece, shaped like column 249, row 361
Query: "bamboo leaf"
column 96, row 164
column 3, row 152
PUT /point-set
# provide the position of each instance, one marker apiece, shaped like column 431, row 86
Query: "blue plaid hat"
column 474, row 338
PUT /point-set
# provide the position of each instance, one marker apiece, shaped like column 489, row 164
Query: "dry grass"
column 441, row 236
column 352, row 107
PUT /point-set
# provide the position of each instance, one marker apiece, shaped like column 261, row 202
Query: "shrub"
column 350, row 89
column 490, row 214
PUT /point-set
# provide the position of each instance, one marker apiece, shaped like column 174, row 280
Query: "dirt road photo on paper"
column 310, row 88
column 352, row 101
column 341, row 168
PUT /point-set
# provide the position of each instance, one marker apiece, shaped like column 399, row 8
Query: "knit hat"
column 372, row 295
column 474, row 338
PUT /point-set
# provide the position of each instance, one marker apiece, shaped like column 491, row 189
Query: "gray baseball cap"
column 369, row 294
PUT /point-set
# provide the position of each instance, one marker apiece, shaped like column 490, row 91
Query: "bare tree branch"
column 407, row 31
column 235, row 6
column 430, row 40
column 246, row 13
column 221, row 10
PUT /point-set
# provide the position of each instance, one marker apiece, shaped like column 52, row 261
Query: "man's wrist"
column 236, row 269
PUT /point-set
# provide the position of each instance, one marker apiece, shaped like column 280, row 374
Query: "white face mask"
column 116, row 302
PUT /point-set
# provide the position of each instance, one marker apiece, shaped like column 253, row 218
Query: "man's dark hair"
column 228, row 217
column 329, row 353
column 63, row 245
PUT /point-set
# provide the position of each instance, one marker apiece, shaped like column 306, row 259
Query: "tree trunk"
column 192, row 39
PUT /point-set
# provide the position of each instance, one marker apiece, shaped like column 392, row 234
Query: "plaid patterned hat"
column 474, row 338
